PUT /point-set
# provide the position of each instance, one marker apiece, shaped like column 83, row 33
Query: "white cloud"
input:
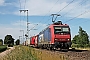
column 43, row 7
column 9, row 30
column 2, row 2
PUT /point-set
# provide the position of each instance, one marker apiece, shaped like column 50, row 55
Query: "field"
column 28, row 53
column 19, row 53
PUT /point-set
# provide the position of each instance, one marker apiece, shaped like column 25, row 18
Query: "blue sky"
column 73, row 12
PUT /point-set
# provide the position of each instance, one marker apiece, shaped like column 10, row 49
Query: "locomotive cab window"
column 57, row 29
column 65, row 29
column 61, row 29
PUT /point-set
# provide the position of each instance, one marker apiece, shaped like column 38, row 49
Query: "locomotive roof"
column 54, row 25
column 59, row 23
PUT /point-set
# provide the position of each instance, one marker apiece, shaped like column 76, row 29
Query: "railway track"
column 71, row 54
column 76, row 54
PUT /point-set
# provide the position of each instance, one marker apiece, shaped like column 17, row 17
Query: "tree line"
column 9, row 40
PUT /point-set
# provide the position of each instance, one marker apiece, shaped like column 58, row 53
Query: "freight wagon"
column 34, row 41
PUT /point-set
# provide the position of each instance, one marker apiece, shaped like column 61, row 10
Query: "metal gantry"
column 27, row 24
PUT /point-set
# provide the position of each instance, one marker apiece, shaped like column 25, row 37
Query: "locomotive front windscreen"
column 61, row 29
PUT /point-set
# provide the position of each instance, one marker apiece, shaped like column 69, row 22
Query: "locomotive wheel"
column 54, row 48
column 47, row 47
column 50, row 48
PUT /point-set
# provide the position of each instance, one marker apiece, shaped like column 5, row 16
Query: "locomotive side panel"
column 44, row 38
column 47, row 36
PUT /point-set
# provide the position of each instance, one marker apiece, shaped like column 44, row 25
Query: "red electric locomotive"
column 57, row 35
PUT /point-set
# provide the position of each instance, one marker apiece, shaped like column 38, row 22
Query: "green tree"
column 76, row 39
column 9, row 40
column 17, row 42
column 1, row 42
column 82, row 38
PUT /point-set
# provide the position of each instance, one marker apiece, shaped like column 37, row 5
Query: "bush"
column 75, row 45
column 87, row 45
column 80, row 45
column 3, row 48
column 10, row 45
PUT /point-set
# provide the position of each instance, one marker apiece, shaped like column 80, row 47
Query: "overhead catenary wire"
column 50, row 9
column 33, row 27
column 22, row 17
column 82, row 22
column 45, row 22
column 47, row 13
column 22, row 22
column 83, row 1
column 77, row 16
column 72, row 18
column 24, row 9
column 49, row 20
column 63, row 7
column 25, row 4
column 20, row 14
column 66, row 6
column 20, row 3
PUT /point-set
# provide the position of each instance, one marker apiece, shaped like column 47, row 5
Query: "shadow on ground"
column 72, row 50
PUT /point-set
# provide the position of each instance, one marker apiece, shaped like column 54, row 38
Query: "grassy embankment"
column 20, row 53
column 3, row 48
column 28, row 53
column 87, row 48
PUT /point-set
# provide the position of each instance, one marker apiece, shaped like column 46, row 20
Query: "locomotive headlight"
column 56, row 39
column 68, row 39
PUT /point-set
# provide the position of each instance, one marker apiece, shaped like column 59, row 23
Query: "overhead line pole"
column 20, row 38
column 27, row 34
column 23, row 34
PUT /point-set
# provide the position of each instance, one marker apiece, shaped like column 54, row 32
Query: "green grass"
column 76, row 46
column 29, row 53
column 20, row 53
column 3, row 48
